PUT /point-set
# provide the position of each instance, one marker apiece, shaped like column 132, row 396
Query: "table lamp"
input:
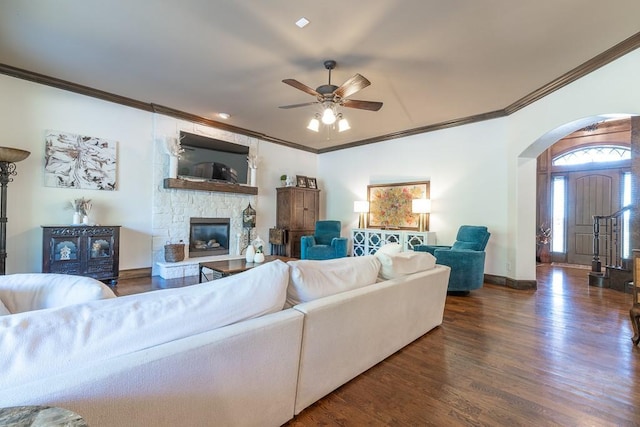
column 361, row 207
column 422, row 207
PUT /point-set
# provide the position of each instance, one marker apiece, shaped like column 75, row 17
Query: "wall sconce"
column 422, row 207
column 8, row 159
column 361, row 207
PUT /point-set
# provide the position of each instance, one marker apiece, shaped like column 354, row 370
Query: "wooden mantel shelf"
column 222, row 187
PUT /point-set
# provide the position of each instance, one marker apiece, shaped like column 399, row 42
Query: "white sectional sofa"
column 231, row 352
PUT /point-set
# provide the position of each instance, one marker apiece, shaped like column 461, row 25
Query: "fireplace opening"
column 208, row 236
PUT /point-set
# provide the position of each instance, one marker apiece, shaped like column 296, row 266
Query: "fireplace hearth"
column 208, row 236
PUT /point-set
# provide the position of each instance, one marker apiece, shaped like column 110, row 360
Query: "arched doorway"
column 583, row 174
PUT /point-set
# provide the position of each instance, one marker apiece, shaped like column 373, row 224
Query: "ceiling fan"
column 331, row 95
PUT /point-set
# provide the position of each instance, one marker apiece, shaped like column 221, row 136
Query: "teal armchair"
column 465, row 257
column 326, row 242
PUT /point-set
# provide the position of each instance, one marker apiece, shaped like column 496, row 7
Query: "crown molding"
column 617, row 51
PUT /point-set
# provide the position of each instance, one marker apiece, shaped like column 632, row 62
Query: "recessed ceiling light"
column 224, row 115
column 302, row 22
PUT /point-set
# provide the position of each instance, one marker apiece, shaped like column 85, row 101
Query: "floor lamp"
column 8, row 159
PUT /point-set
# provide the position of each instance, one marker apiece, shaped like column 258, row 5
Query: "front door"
column 589, row 193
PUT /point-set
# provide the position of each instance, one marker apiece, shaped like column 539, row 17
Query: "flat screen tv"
column 211, row 159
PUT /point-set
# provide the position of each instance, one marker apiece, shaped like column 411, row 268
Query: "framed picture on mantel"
column 390, row 205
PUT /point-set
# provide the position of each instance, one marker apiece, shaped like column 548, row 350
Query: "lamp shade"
column 421, row 206
column 361, row 206
column 12, row 155
column 343, row 125
column 314, row 125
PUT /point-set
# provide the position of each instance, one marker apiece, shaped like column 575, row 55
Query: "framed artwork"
column 301, row 181
column 390, row 204
column 79, row 161
column 312, row 183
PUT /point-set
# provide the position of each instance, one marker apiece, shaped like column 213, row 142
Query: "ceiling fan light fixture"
column 328, row 116
column 314, row 125
column 343, row 125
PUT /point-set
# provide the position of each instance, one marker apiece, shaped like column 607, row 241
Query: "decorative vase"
column 85, row 220
column 173, row 166
column 259, row 257
column 250, row 254
column 77, row 218
column 252, row 177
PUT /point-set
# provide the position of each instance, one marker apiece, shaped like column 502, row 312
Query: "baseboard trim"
column 134, row 273
column 510, row 283
column 492, row 279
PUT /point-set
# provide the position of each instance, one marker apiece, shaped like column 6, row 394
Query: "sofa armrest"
column 36, row 291
column 429, row 248
column 305, row 243
column 339, row 244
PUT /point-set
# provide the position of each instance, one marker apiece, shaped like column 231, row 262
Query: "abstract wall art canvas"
column 390, row 204
column 79, row 162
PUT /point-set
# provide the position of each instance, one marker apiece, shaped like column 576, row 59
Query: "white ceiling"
column 429, row 61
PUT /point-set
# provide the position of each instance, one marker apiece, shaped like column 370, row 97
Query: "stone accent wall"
column 172, row 208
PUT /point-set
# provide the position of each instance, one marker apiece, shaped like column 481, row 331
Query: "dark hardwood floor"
column 558, row 356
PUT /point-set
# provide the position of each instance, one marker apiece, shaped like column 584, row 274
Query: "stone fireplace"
column 208, row 236
column 174, row 208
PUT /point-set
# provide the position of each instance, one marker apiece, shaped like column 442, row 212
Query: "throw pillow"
column 390, row 248
column 3, row 309
column 404, row 263
column 310, row 280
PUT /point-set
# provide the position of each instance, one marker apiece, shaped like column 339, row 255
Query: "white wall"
column 484, row 173
column 27, row 109
column 467, row 168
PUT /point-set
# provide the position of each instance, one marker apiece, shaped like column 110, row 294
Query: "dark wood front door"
column 589, row 193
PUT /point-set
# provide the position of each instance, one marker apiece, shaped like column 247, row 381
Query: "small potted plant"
column 543, row 238
column 283, row 180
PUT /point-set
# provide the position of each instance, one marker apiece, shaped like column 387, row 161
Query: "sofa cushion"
column 400, row 264
column 3, row 309
column 465, row 245
column 35, row 291
column 311, row 279
column 37, row 343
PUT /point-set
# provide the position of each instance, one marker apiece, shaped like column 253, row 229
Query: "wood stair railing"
column 608, row 250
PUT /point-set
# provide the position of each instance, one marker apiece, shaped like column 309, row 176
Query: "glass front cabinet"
column 91, row 251
column 366, row 241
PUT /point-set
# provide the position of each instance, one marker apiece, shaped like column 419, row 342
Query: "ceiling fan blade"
column 301, row 86
column 363, row 105
column 351, row 86
column 298, row 105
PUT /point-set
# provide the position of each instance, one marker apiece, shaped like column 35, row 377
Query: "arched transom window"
column 598, row 154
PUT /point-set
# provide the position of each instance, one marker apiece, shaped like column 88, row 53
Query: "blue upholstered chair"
column 326, row 242
column 465, row 257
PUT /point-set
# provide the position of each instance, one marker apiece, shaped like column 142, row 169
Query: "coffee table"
column 234, row 266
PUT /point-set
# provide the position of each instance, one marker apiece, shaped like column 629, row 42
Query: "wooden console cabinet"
column 297, row 210
column 82, row 250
